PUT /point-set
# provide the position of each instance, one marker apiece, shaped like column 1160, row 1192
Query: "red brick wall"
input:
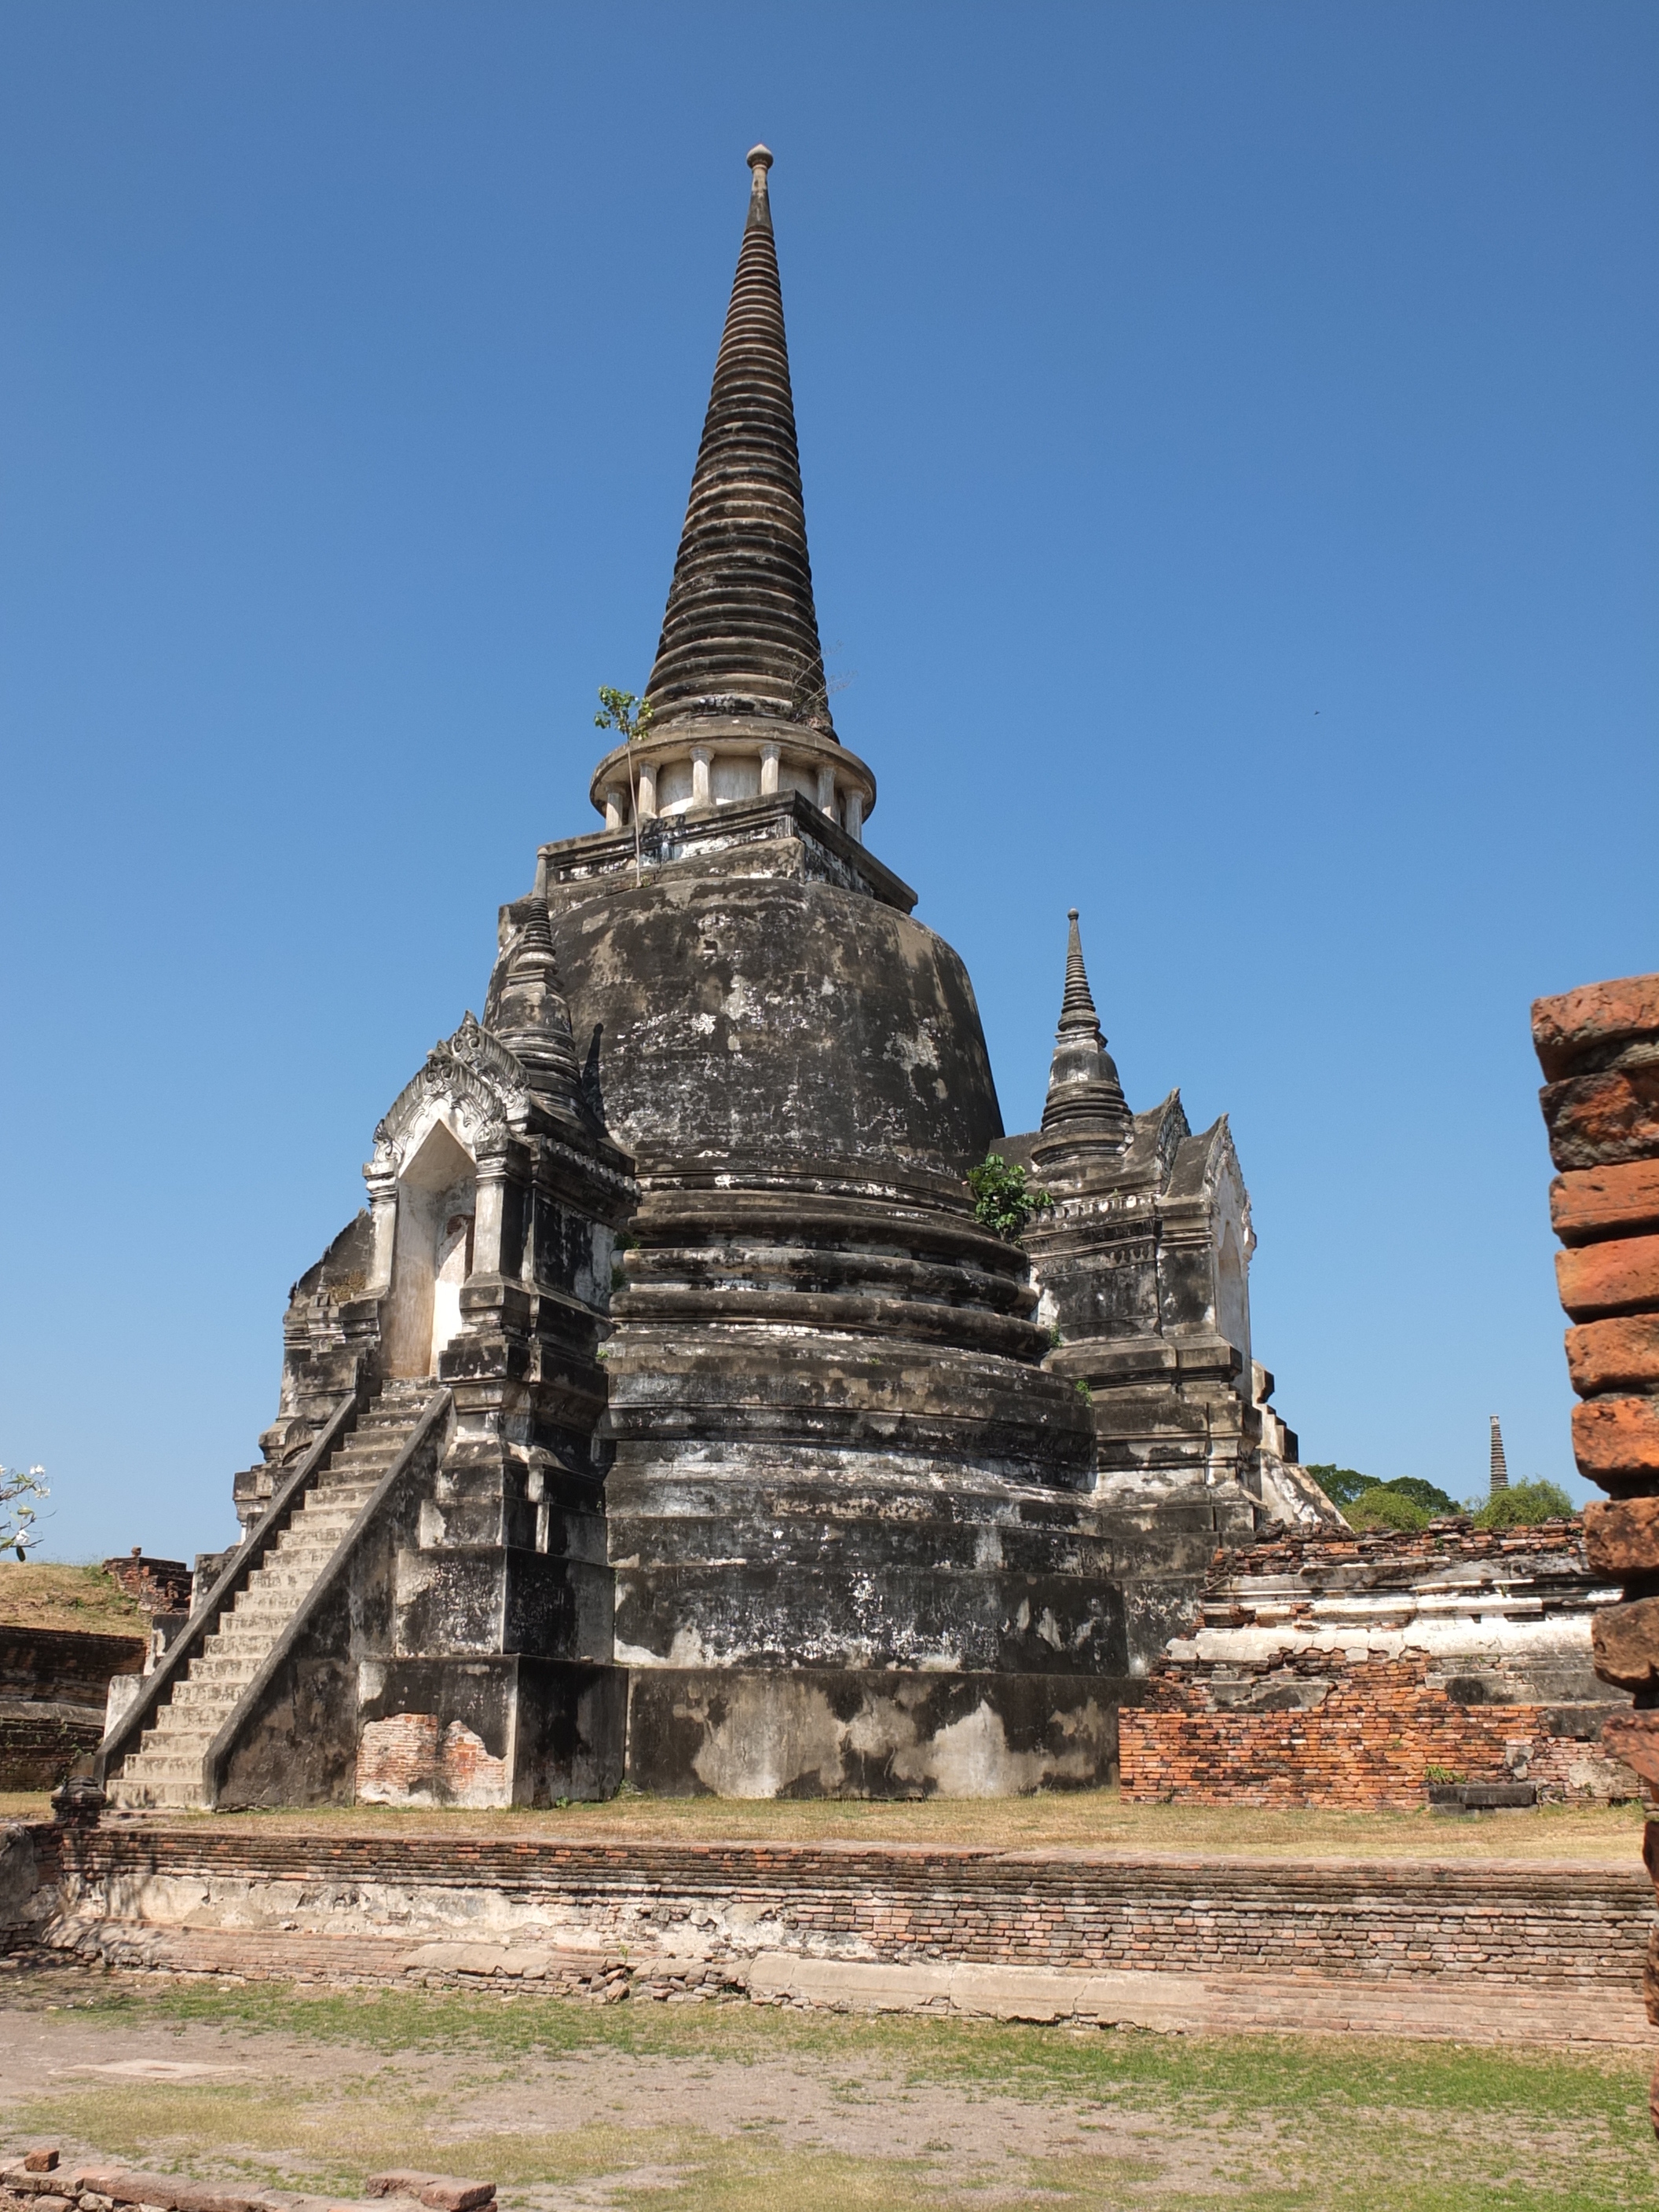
column 1369, row 1742
column 1388, row 1919
column 1371, row 1739
column 412, row 1758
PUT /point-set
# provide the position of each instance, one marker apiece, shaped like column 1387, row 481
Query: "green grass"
column 1264, row 2124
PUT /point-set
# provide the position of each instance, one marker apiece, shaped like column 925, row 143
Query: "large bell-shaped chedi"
column 850, row 1514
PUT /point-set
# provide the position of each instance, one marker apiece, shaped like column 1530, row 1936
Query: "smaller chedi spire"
column 1085, row 1098
column 531, row 1017
column 1500, row 1471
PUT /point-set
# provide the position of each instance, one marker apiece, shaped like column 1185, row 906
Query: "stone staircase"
column 164, row 1769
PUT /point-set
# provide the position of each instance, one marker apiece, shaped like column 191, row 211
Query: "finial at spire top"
column 759, row 159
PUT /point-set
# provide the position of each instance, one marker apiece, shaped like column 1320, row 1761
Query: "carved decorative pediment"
column 473, row 1074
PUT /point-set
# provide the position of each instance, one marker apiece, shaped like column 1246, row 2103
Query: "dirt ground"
column 731, row 2108
column 1093, row 1820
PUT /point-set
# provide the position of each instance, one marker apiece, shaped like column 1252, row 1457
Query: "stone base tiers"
column 890, row 1732
column 1166, row 1532
column 848, row 1561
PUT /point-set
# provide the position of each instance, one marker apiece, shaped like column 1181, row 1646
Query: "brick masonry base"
column 1369, row 1742
column 1490, row 1950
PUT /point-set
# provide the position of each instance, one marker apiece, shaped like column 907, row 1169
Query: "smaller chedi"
column 1142, row 1260
column 667, row 1412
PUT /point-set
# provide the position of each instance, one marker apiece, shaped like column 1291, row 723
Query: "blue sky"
column 1231, row 462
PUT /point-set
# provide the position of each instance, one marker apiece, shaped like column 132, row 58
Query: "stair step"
column 165, row 1767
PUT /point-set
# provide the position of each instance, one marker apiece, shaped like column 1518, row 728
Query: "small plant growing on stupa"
column 1003, row 1201
column 630, row 717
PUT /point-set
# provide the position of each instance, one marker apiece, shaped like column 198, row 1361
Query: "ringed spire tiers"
column 739, row 707
column 740, row 634
column 1084, row 1096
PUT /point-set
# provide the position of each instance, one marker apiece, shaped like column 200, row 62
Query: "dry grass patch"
column 33, row 1596
column 1089, row 1820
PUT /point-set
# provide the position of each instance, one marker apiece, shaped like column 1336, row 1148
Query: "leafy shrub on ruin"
column 1003, row 1201
column 623, row 711
column 20, row 1487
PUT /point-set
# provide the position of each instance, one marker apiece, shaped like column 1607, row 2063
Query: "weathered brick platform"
column 1490, row 1950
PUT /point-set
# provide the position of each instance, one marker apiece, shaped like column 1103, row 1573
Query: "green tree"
column 1345, row 1486
column 1003, row 1201
column 1524, row 1504
column 1384, row 1507
column 1433, row 1500
column 1341, row 1485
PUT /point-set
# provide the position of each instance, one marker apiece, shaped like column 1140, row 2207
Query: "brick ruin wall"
column 1394, row 1921
column 1598, row 1049
column 1370, row 1743
column 1340, row 1723
column 53, row 1683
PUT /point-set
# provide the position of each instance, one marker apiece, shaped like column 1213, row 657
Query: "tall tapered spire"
column 1085, row 1098
column 740, row 636
column 1499, row 1464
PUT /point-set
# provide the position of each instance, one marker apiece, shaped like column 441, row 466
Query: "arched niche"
column 1232, row 1295
column 431, row 1253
